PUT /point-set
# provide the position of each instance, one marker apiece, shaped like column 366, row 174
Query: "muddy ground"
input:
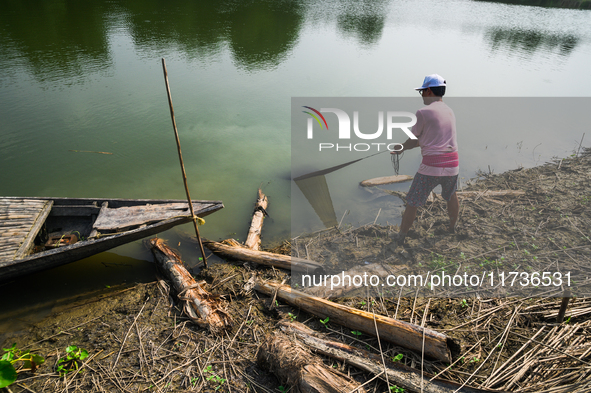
column 139, row 340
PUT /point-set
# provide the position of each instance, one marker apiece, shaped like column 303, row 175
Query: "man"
column 436, row 133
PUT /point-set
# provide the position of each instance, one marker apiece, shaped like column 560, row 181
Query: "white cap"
column 433, row 80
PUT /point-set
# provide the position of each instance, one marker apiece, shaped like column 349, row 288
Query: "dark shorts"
column 422, row 185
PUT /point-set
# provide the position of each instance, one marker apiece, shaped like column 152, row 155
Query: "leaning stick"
column 178, row 145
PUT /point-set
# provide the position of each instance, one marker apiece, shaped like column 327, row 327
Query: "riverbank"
column 138, row 339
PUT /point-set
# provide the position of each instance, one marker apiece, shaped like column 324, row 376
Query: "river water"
column 80, row 78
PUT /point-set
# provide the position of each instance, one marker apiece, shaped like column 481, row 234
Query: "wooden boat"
column 42, row 233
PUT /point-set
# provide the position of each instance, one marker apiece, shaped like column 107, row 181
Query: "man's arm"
column 409, row 144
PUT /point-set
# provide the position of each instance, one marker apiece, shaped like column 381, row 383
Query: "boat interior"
column 34, row 225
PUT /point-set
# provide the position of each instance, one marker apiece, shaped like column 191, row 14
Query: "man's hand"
column 409, row 144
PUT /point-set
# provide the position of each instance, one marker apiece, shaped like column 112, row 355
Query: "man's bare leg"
column 410, row 213
column 453, row 210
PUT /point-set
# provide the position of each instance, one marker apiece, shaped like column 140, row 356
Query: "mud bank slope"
column 138, row 339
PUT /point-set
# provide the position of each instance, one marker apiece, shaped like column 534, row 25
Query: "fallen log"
column 395, row 373
column 235, row 251
column 436, row 345
column 378, row 181
column 297, row 367
column 253, row 239
column 332, row 291
column 202, row 307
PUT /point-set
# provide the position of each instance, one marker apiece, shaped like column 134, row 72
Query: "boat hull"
column 35, row 262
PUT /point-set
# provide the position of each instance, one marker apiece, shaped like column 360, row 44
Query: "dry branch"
column 490, row 193
column 253, row 239
column 297, row 367
column 395, row 373
column 202, row 307
column 236, row 251
column 401, row 333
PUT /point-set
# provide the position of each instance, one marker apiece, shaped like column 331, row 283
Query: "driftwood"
column 395, row 373
column 253, row 239
column 297, row 367
column 236, row 251
column 378, row 181
column 404, row 334
column 203, row 308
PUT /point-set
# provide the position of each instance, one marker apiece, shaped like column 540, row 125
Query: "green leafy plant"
column 12, row 356
column 292, row 317
column 72, row 361
column 398, row 357
column 356, row 332
column 464, row 303
column 325, row 322
column 396, row 389
column 214, row 377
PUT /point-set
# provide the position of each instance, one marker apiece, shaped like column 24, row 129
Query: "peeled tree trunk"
column 202, row 307
column 394, row 373
column 416, row 338
column 297, row 367
column 253, row 239
column 235, row 251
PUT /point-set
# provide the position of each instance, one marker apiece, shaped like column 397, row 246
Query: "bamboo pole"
column 178, row 144
column 563, row 306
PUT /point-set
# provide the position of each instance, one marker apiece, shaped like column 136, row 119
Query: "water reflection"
column 260, row 34
column 364, row 20
column 70, row 40
column 529, row 41
column 56, row 39
column 67, row 38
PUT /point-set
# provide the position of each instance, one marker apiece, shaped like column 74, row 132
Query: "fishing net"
column 396, row 161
